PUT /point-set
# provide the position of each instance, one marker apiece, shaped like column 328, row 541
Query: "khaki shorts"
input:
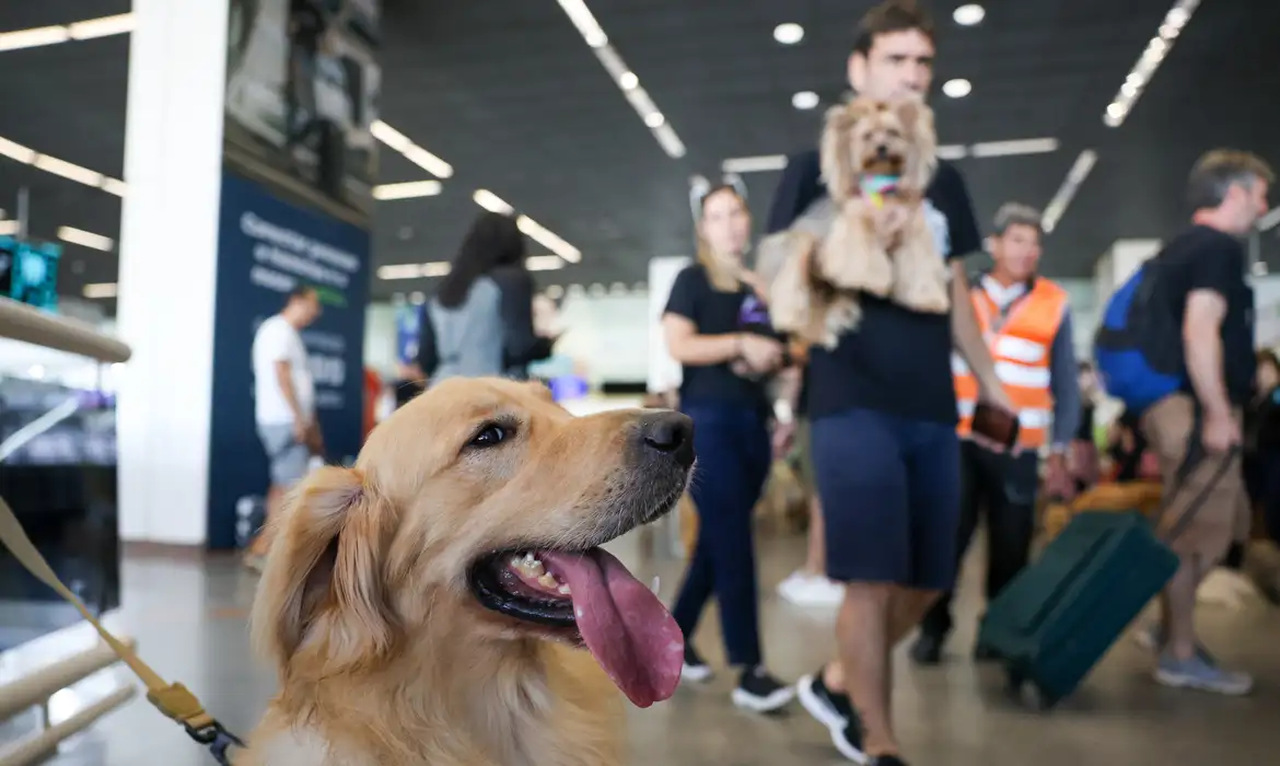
column 1221, row 514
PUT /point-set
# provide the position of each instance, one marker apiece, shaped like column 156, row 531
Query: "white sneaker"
column 810, row 590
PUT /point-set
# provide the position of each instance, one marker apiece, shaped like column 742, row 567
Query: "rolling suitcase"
column 1057, row 618
column 1054, row 621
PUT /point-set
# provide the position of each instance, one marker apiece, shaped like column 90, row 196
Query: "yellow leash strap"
column 174, row 700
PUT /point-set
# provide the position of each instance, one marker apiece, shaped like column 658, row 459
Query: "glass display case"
column 58, row 474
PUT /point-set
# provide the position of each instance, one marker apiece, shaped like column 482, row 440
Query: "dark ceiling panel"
column 508, row 93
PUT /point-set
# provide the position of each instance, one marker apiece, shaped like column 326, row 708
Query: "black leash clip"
column 217, row 739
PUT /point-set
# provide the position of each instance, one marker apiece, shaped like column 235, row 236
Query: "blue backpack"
column 1138, row 347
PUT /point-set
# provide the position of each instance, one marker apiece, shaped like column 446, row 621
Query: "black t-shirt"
column 898, row 361
column 718, row 313
column 1203, row 258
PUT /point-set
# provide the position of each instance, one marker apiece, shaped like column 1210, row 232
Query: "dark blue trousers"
column 733, row 449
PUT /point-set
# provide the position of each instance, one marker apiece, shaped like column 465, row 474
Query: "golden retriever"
column 877, row 160
column 427, row 605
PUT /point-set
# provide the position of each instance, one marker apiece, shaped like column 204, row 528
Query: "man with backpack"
column 1176, row 345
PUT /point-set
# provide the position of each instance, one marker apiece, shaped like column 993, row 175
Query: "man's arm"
column 284, row 378
column 968, row 340
column 1064, row 383
column 1202, row 347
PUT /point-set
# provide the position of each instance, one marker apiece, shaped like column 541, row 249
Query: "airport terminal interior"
column 247, row 245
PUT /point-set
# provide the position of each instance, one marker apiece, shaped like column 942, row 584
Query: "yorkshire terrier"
column 877, row 160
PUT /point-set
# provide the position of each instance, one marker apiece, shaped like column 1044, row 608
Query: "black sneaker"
column 760, row 692
column 887, row 760
column 927, row 650
column 695, row 668
column 834, row 711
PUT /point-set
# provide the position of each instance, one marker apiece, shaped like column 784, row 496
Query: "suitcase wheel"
column 1027, row 693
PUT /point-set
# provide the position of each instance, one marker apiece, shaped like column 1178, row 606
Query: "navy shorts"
column 890, row 489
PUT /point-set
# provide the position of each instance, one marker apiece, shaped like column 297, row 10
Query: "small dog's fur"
column 884, row 249
column 385, row 655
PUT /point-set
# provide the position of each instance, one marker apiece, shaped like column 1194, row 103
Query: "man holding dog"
column 1027, row 321
column 883, row 416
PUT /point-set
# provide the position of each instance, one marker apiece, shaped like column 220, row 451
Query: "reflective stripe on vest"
column 1021, row 347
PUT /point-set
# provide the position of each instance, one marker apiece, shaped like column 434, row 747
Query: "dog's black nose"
column 670, row 433
column 882, row 150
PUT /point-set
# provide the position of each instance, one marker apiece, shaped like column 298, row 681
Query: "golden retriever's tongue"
column 626, row 627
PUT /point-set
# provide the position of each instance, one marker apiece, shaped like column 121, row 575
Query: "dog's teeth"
column 656, row 582
column 564, row 590
column 548, row 581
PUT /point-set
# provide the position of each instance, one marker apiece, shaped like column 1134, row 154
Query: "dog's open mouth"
column 592, row 598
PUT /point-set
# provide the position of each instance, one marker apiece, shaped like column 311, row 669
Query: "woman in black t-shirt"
column 717, row 326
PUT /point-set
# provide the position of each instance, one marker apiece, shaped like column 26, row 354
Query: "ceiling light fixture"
column 407, row 190
column 789, row 33
column 103, row 26
column 411, row 151
column 1270, row 220
column 1157, row 49
column 969, row 14
column 85, row 238
column 544, row 262
column 761, row 164
column 805, row 100
column 100, row 290
column 1057, row 206
column 1015, row 147
column 492, row 202
column 627, row 80
column 413, row 270
column 543, row 236
column 8, row 228
column 28, row 156
column 957, row 88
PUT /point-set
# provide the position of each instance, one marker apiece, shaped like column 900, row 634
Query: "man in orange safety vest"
column 1027, row 323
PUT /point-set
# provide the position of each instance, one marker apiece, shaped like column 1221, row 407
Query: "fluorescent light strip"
column 36, row 37
column 761, row 164
column 1270, row 220
column 8, row 228
column 85, row 238
column 440, row 268
column 626, row 80
column 28, row 156
column 1156, row 51
column 534, row 230
column 772, row 162
column 411, row 151
column 1057, row 206
column 407, row 190
column 100, row 290
column 547, row 239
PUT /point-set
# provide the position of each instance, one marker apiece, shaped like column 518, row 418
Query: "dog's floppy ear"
column 917, row 119
column 323, row 589
column 837, row 151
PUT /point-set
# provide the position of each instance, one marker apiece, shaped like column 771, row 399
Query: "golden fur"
column 886, row 249
column 384, row 657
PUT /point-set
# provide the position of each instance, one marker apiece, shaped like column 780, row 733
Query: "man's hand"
column 302, row 430
column 1057, row 480
column 1220, row 432
column 784, row 435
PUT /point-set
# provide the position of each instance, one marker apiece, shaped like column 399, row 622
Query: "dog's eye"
column 489, row 436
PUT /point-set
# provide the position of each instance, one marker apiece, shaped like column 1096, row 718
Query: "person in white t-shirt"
column 284, row 395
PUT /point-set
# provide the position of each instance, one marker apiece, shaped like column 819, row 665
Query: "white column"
column 168, row 255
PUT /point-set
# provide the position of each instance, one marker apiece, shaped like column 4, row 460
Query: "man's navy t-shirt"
column 897, row 361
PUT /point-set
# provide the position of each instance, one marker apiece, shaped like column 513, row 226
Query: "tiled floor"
column 189, row 619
